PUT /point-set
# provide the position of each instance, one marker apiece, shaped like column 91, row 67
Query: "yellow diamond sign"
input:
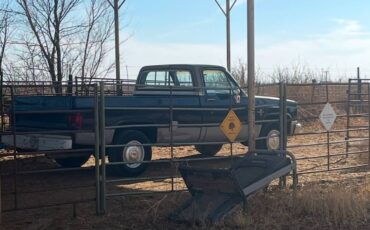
column 231, row 126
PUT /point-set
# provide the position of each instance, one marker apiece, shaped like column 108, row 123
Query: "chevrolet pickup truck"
column 200, row 95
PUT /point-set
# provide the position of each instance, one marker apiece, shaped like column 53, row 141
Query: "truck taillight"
column 75, row 121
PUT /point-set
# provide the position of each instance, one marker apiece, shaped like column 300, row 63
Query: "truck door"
column 220, row 95
column 183, row 97
column 185, row 103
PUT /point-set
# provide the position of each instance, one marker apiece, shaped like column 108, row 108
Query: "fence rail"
column 319, row 154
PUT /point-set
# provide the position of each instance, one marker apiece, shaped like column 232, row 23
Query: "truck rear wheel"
column 208, row 150
column 134, row 152
column 73, row 162
column 271, row 135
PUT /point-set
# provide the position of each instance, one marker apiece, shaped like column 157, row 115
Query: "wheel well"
column 276, row 116
column 150, row 132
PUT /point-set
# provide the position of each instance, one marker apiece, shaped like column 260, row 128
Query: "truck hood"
column 260, row 100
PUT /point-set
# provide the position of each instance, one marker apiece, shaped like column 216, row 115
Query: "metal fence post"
column 76, row 83
column 2, row 103
column 96, row 149
column 102, row 148
column 281, row 119
column 348, row 114
column 251, row 77
column 327, row 132
column 0, row 204
column 12, row 92
column 283, row 125
column 368, row 122
column 230, row 109
column 171, row 136
column 285, row 117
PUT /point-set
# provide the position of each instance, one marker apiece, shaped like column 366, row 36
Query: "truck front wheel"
column 208, row 150
column 271, row 138
column 132, row 154
column 72, row 162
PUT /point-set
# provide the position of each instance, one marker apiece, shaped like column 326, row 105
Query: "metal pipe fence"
column 317, row 155
column 172, row 160
column 326, row 146
column 16, row 175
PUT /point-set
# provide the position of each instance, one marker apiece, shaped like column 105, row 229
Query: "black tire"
column 208, row 150
column 269, row 131
column 73, row 162
column 117, row 154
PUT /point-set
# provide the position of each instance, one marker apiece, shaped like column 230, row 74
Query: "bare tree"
column 83, row 46
column 297, row 73
column 99, row 29
column 47, row 19
column 239, row 72
column 5, row 21
column 32, row 65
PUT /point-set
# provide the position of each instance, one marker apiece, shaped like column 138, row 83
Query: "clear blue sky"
column 201, row 20
column 301, row 25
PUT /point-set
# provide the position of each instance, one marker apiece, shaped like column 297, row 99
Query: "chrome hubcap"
column 273, row 140
column 133, row 152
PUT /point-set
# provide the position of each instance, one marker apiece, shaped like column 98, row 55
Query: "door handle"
column 211, row 99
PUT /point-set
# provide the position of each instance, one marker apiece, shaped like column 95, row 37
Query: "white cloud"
column 341, row 49
column 344, row 48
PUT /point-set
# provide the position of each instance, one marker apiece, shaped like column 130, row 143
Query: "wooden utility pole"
column 227, row 12
column 116, row 6
column 251, row 77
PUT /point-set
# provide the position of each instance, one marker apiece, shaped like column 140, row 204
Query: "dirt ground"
column 335, row 200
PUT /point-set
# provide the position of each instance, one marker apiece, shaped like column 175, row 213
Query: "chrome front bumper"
column 295, row 126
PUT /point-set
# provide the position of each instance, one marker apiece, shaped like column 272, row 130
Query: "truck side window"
column 216, row 82
column 180, row 78
column 158, row 78
column 184, row 78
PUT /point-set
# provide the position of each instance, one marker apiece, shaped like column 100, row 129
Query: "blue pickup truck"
column 200, row 95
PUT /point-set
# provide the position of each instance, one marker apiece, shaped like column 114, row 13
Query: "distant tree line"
column 296, row 73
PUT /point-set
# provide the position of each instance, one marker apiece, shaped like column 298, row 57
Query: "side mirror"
column 236, row 95
column 236, row 91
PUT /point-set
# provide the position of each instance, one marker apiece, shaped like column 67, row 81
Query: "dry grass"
column 323, row 204
column 313, row 207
